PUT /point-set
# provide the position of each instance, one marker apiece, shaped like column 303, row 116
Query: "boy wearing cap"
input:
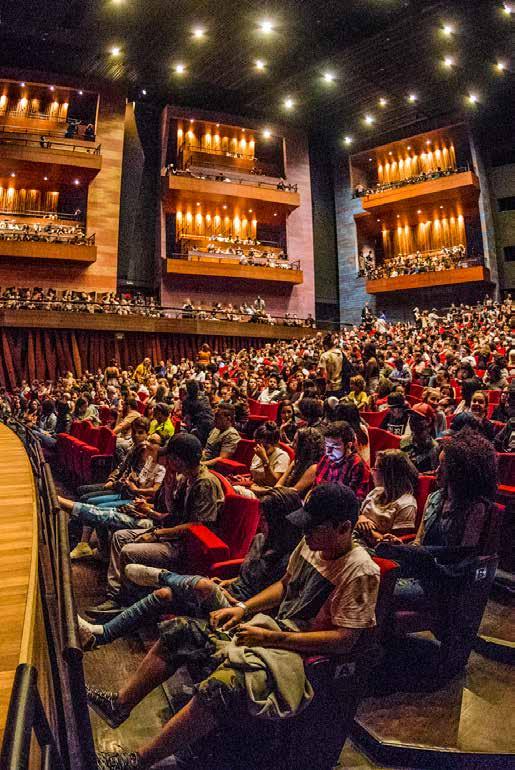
column 325, row 600
column 396, row 420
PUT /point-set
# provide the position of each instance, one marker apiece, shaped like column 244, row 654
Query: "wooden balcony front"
column 429, row 280
column 455, row 185
column 231, row 268
column 21, row 150
column 244, row 192
column 61, row 252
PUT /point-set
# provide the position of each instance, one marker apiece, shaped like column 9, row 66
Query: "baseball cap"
column 185, row 446
column 327, row 502
column 397, row 401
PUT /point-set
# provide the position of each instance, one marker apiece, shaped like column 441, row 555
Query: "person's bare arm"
column 265, row 600
column 337, row 641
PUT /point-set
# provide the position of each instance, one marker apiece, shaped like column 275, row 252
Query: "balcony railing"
column 364, row 192
column 255, row 182
column 196, row 255
column 223, row 159
column 44, row 142
column 36, row 214
column 45, row 234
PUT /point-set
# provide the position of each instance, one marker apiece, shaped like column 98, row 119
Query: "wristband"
column 242, row 606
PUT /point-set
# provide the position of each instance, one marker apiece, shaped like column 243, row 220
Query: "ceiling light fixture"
column 408, row 147
column 412, row 98
column 80, row 93
column 267, row 133
column 369, row 119
column 419, row 211
column 143, row 91
column 180, row 69
column 13, row 174
column 500, row 66
column 507, row 9
column 52, row 88
column 45, row 179
column 76, row 181
column 447, row 29
column 115, row 51
column 260, row 64
column 22, row 85
column 329, row 77
column 266, row 26
column 449, row 61
column 473, row 98
column 199, row 33
column 383, row 102
column 347, row 140
column 289, row 103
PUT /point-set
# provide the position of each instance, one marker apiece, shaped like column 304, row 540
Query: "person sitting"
column 501, row 412
column 123, row 427
column 357, row 394
column 324, row 601
column 46, row 425
column 479, row 408
column 349, row 413
column 269, row 463
column 161, row 422
column 89, row 133
column 391, row 505
column 455, row 516
column 287, row 422
column 341, row 462
column 401, row 374
column 505, row 439
column 396, row 420
column 308, row 446
column 143, row 371
column 273, row 392
column 265, row 563
column 189, row 494
column 85, row 411
column 223, row 439
column 111, row 512
column 420, row 446
column 196, row 412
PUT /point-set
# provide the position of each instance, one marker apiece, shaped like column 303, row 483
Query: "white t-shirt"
column 399, row 514
column 325, row 594
column 279, row 461
column 151, row 473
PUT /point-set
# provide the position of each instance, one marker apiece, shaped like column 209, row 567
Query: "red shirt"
column 353, row 472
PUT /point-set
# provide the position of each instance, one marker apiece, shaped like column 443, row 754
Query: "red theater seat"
column 239, row 463
column 381, row 439
column 374, row 419
column 97, row 460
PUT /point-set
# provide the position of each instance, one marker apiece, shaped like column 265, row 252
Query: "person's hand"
column 365, row 526
column 253, row 636
column 146, row 537
column 226, row 618
column 131, row 485
column 109, row 485
column 260, row 451
column 389, row 538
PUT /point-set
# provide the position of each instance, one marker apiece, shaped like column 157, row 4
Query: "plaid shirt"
column 353, row 472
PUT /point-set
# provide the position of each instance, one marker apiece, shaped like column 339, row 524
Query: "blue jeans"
column 109, row 518
column 148, row 609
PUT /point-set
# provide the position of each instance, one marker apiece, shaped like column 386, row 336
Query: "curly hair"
column 470, row 467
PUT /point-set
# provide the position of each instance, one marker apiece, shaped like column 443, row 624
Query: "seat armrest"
column 203, row 548
column 225, row 570
column 232, row 467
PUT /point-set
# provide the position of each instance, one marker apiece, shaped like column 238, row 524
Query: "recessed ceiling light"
column 52, row 88
column 275, row 213
column 348, row 140
column 115, row 51
column 260, row 64
column 289, row 103
column 383, row 102
column 76, row 181
column 507, row 9
column 398, row 216
column 473, row 98
column 224, row 207
column 266, row 26
column 198, row 203
column 250, row 211
column 369, row 119
column 412, row 98
column 143, row 91
column 267, row 133
column 80, row 93
column 45, row 179
column 500, row 66
column 447, row 29
column 22, row 85
column 390, row 153
column 419, row 211
column 449, row 61
column 408, row 147
column 199, row 33
column 441, row 207
column 191, row 121
column 13, row 174
column 428, row 141
column 328, row 77
column 378, row 220
column 180, row 69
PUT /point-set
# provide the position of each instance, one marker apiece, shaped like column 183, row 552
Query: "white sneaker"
column 87, row 634
column 143, row 576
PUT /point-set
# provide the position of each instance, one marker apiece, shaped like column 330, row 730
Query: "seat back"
column 288, row 449
column 227, row 487
column 255, row 407
column 76, row 428
column 374, row 419
column 238, row 523
column 244, row 452
column 381, row 439
column 506, row 468
column 269, row 411
column 90, row 435
column 106, row 441
column 494, row 396
column 425, row 485
column 416, row 391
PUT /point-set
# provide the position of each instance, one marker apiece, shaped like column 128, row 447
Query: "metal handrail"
column 25, row 236
column 44, row 143
column 208, row 151
column 425, row 176
column 255, row 182
column 33, row 115
column 51, row 215
column 279, row 264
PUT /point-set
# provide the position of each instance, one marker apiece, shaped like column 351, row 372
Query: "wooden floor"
column 18, row 562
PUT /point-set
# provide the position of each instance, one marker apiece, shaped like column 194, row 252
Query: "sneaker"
column 81, row 551
column 109, row 760
column 87, row 636
column 108, row 609
column 143, row 576
column 105, row 704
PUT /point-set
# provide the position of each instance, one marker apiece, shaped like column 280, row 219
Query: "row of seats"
column 86, row 454
column 240, row 462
